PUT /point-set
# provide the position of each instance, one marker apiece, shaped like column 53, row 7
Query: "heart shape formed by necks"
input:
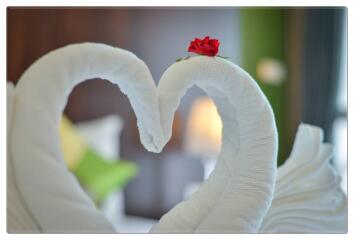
column 236, row 196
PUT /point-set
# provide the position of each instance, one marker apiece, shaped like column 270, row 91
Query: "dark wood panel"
column 34, row 32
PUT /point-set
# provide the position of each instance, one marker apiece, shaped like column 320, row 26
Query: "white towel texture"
column 244, row 194
column 308, row 197
column 238, row 193
column 52, row 194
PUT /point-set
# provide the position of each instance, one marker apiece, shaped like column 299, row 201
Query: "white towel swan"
column 238, row 193
column 238, row 196
column 52, row 195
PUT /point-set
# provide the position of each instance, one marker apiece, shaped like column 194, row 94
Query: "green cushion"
column 100, row 176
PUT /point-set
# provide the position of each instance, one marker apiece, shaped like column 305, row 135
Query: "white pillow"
column 102, row 134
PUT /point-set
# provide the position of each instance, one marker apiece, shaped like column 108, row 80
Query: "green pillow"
column 97, row 174
column 100, row 176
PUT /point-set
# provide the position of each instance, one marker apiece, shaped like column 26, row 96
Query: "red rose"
column 207, row 46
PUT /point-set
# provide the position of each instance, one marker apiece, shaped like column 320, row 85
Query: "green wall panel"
column 263, row 36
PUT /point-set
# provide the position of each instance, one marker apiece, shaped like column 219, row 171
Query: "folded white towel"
column 308, row 197
column 53, row 196
column 19, row 219
column 239, row 195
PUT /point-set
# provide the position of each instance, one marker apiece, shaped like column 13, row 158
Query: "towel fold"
column 308, row 197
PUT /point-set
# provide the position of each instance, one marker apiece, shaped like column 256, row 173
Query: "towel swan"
column 239, row 195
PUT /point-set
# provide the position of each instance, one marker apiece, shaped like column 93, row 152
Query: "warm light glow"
column 271, row 71
column 204, row 128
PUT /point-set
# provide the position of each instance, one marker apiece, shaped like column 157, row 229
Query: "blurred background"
column 297, row 55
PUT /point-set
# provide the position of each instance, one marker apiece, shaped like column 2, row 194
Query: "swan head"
column 153, row 142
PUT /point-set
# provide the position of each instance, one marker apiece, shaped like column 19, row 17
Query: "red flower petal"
column 205, row 46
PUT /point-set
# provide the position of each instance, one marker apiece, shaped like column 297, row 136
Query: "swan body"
column 244, row 194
